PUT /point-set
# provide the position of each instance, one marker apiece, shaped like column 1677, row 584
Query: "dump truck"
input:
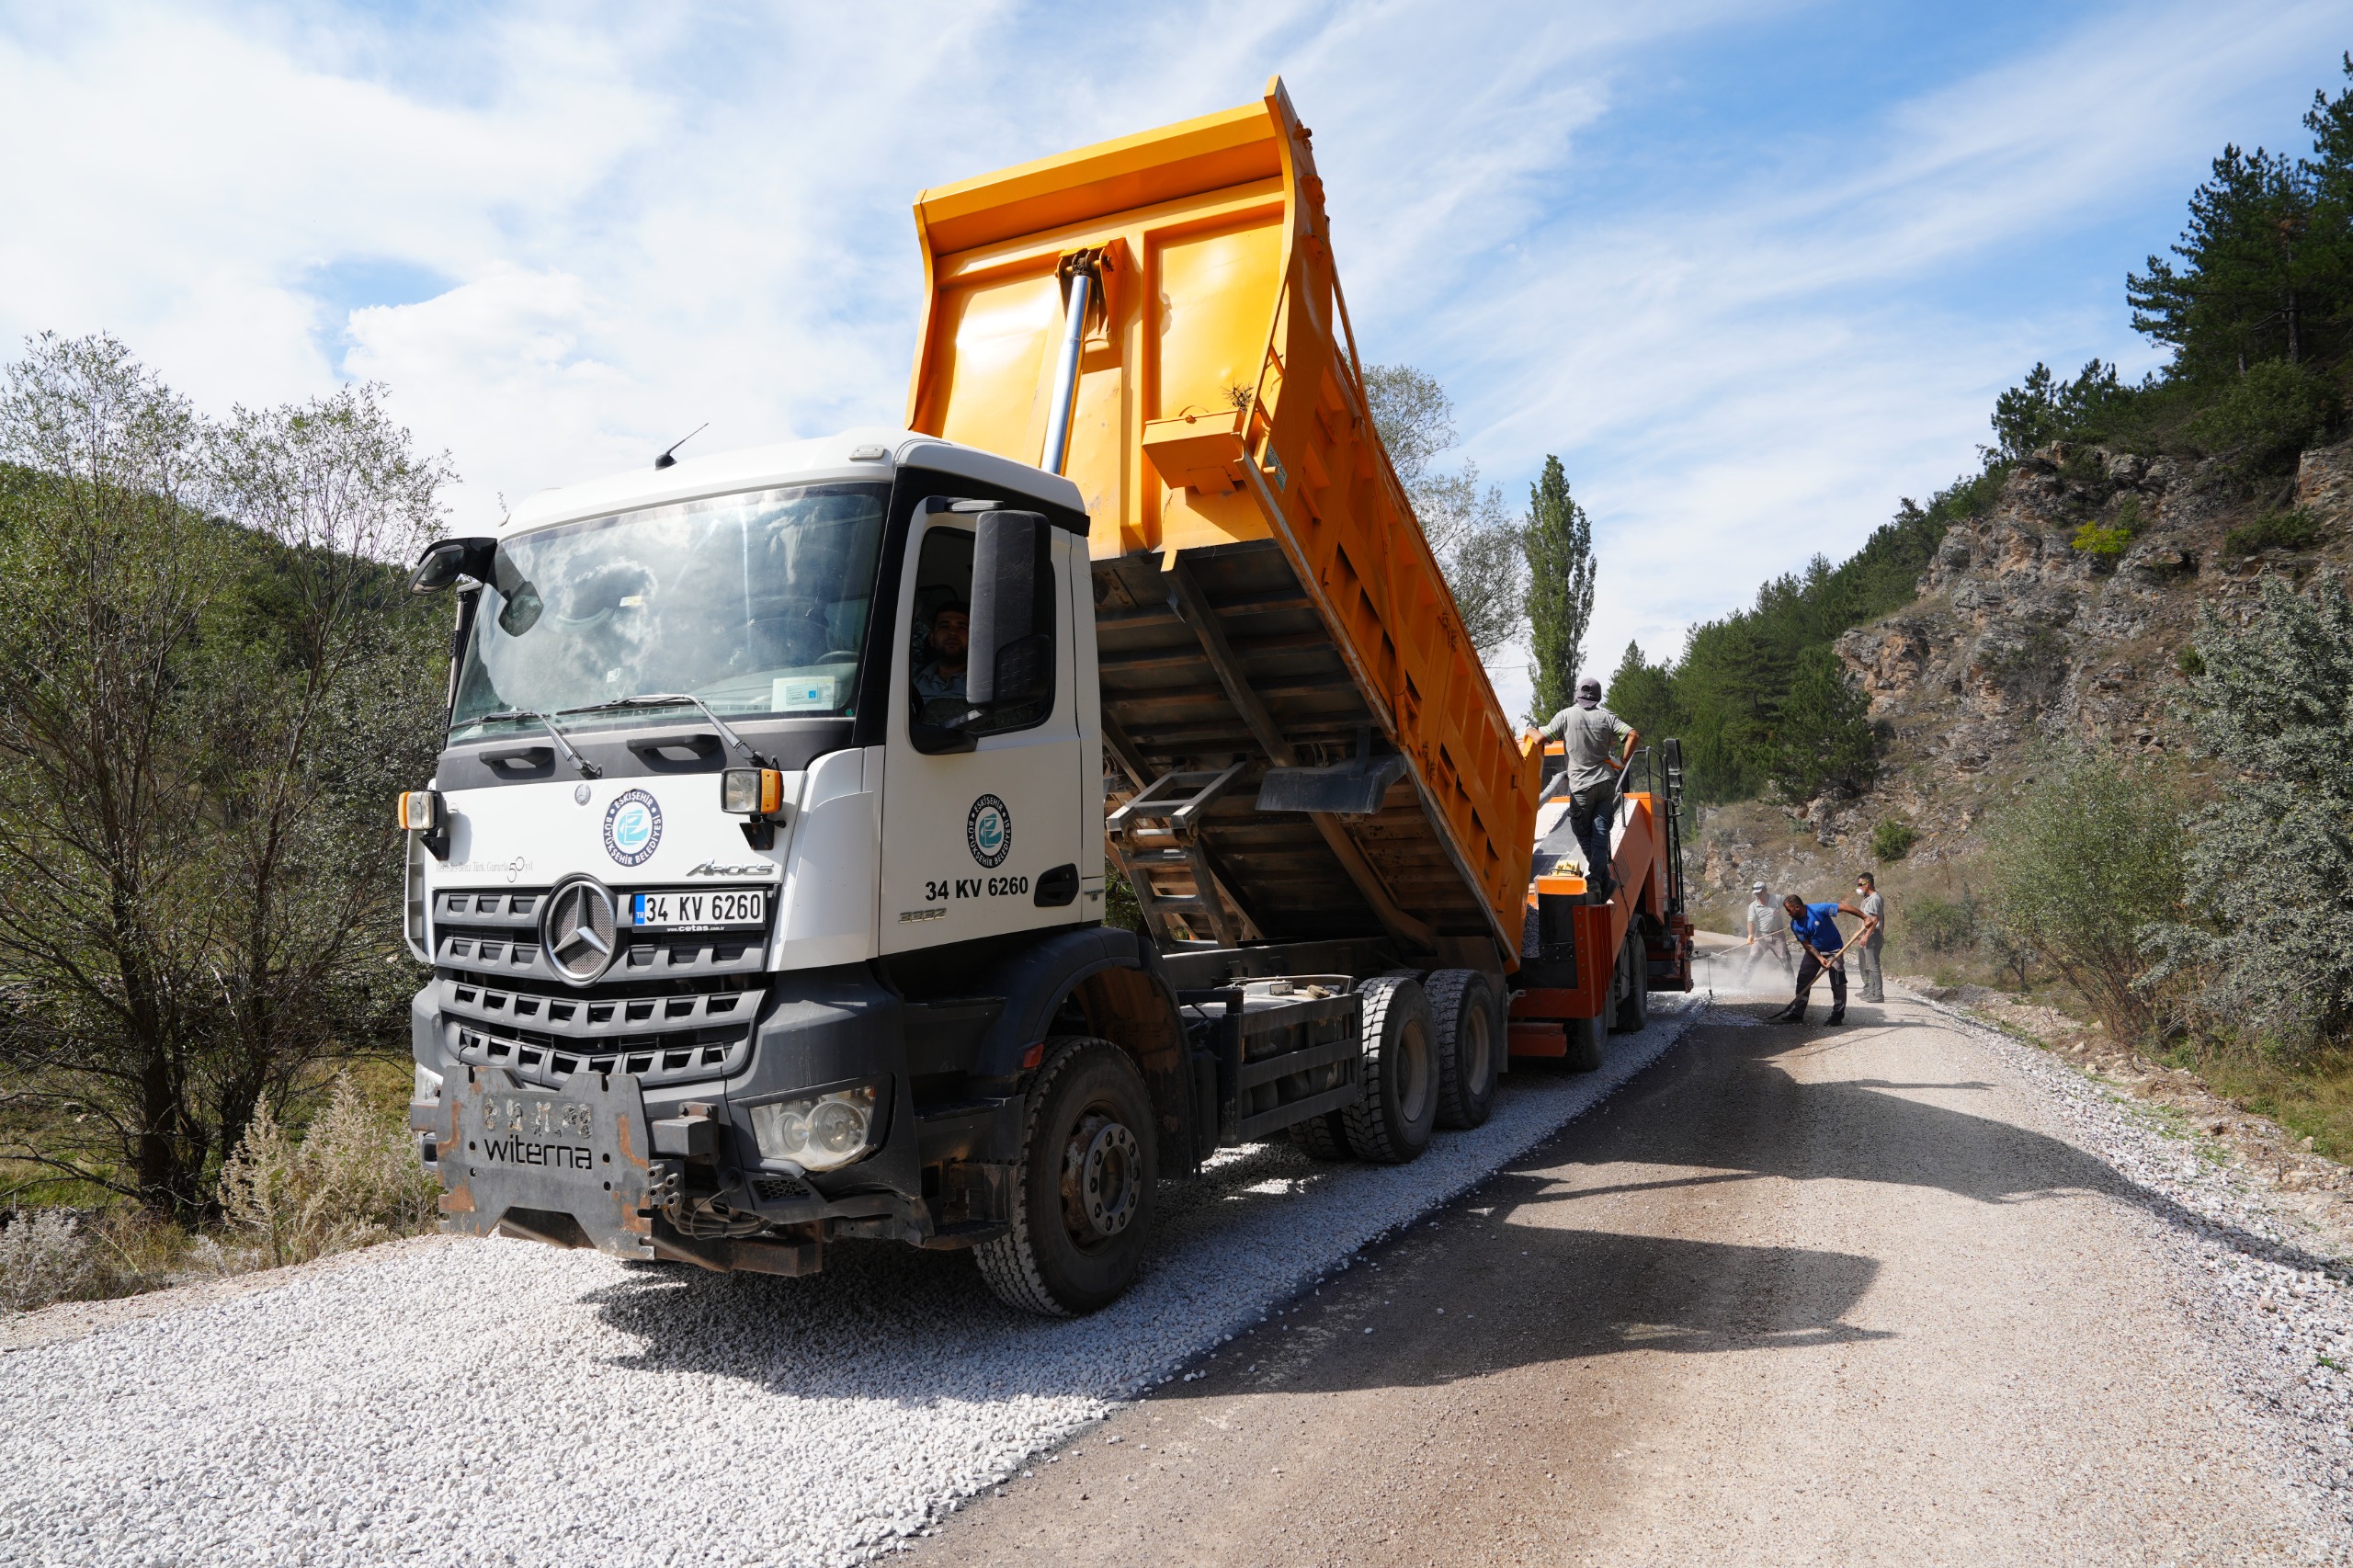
column 764, row 875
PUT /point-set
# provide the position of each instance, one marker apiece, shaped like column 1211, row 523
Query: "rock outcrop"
column 2019, row 637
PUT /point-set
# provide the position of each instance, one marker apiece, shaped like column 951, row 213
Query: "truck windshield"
column 755, row 603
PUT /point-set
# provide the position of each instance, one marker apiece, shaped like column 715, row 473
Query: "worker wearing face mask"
column 1867, row 944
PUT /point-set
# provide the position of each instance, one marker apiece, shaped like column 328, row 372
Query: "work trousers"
column 1867, row 969
column 1809, row 967
column 1590, row 811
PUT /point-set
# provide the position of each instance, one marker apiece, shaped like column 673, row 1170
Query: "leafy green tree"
column 2270, row 863
column 1476, row 541
column 1559, row 546
column 2083, row 864
column 212, row 683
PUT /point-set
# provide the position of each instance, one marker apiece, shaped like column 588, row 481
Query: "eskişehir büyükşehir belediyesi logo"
column 988, row 832
column 632, row 827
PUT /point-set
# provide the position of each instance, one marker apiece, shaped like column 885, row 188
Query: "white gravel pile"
column 2282, row 1315
column 504, row 1403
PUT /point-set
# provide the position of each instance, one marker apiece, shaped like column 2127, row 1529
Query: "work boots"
column 1792, row 1014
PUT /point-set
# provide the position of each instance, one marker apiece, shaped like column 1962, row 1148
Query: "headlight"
column 751, row 791
column 823, row 1132
column 421, row 811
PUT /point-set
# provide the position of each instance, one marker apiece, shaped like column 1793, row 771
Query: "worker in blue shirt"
column 1821, row 946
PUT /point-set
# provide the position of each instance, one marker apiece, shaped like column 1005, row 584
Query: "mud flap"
column 569, row 1167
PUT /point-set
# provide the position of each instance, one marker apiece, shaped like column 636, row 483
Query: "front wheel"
column 1083, row 1198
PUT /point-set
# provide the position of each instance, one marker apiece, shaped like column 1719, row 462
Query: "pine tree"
column 2249, row 282
column 1560, row 588
column 1823, row 736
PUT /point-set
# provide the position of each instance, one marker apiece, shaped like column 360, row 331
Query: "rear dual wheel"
column 1469, row 1053
column 1398, row 1071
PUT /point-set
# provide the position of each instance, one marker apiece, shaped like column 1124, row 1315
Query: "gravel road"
column 1905, row 1291
column 502, row 1403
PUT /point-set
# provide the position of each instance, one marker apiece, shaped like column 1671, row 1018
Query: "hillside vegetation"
column 2089, row 714
column 2255, row 303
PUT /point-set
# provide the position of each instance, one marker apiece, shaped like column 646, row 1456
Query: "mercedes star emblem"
column 579, row 930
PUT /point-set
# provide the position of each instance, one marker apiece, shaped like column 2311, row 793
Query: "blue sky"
column 1754, row 271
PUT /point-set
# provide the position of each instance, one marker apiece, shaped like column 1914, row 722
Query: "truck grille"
column 674, row 1006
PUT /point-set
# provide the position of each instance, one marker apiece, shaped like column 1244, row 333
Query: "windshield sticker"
column 988, row 832
column 633, row 828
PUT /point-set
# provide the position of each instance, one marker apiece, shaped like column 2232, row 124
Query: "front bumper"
column 571, row 1165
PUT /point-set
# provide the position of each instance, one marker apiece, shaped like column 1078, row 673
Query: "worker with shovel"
column 1820, row 948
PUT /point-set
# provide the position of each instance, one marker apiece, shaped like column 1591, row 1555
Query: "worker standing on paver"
column 1595, row 743
column 1867, row 942
column 1768, row 928
column 1820, row 948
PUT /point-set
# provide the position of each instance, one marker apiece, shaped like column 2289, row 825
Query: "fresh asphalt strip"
column 501, row 1402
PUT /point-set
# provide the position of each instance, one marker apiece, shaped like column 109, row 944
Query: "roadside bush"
column 2082, row 867
column 1892, row 839
column 2270, row 938
column 45, row 1256
column 1941, row 924
column 2298, row 529
column 353, row 1178
column 61, row 1253
column 2268, row 416
column 2105, row 543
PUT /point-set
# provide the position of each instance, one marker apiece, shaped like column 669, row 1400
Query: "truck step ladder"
column 1154, row 839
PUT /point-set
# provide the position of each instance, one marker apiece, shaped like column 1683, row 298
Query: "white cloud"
column 650, row 218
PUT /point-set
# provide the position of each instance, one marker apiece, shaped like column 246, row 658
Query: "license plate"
column 699, row 910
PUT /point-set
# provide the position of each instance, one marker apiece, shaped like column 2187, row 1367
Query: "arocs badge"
column 988, row 832
column 633, row 828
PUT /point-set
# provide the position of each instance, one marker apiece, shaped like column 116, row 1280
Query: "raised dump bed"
column 1313, row 749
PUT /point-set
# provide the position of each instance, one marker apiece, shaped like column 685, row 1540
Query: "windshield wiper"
column 669, row 700
column 587, row 768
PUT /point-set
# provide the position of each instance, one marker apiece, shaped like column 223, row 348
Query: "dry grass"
column 349, row 1179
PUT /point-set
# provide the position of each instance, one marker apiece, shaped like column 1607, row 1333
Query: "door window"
column 941, row 638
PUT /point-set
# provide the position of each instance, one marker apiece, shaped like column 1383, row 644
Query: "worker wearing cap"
column 1820, row 948
column 1867, row 944
column 1769, row 927
column 1596, row 744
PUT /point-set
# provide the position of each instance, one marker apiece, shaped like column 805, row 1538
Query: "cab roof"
column 864, row 453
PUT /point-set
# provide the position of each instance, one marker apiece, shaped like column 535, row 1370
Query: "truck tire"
column 1392, row 1123
column 1463, row 1005
column 1322, row 1137
column 1083, row 1198
column 1634, row 1008
column 1587, row 1040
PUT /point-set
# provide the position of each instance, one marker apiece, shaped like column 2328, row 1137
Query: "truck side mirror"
column 443, row 563
column 1012, row 654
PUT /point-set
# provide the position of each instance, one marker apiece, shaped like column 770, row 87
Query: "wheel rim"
column 1102, row 1185
column 1473, row 1047
column 1414, row 1080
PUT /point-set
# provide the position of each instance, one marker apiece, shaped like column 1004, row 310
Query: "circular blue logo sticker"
column 633, row 828
column 988, row 832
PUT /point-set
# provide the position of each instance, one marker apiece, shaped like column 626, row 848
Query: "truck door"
column 969, row 838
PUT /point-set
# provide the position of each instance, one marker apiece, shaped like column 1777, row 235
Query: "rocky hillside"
column 2019, row 635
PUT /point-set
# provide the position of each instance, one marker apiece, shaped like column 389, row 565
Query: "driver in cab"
column 939, row 685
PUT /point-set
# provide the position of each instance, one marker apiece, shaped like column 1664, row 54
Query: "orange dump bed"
column 1267, row 605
